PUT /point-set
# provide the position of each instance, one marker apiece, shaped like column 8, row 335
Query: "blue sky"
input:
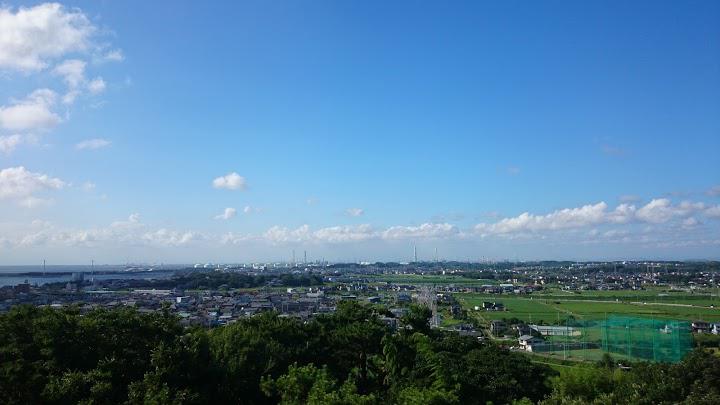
column 358, row 129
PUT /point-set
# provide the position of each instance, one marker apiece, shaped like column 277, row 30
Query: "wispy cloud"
column 228, row 213
column 355, row 212
column 92, row 144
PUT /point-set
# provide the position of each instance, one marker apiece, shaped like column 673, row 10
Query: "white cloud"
column 133, row 221
column 130, row 232
column 713, row 212
column 21, row 185
column 9, row 143
column 31, row 37
column 70, row 96
column 227, row 214
column 91, row 144
column 690, row 222
column 32, row 113
column 657, row 211
column 714, row 191
column 359, row 233
column 231, row 238
column 424, row 231
column 231, row 181
column 661, row 210
column 72, row 71
column 278, row 234
column 355, row 212
column 96, row 86
column 88, row 186
column 165, row 237
column 341, row 234
column 249, row 210
column 115, row 55
column 561, row 219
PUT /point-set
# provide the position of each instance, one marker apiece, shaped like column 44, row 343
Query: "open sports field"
column 550, row 310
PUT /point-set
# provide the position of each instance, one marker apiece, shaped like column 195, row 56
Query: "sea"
column 39, row 275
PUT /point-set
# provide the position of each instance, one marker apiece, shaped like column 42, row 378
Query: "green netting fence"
column 649, row 339
column 623, row 337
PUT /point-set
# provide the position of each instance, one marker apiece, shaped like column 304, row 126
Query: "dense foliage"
column 52, row 356
column 214, row 280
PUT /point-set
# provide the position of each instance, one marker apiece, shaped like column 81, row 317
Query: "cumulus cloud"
column 72, row 71
column 424, row 231
column 661, row 210
column 657, row 211
column 91, row 144
column 230, row 181
column 228, row 213
column 31, row 37
column 33, row 113
column 165, row 237
column 334, row 234
column 358, row 233
column 97, row 85
column 355, row 212
column 130, row 232
column 279, row 234
column 339, row 234
column 561, row 219
column 57, row 41
column 20, row 185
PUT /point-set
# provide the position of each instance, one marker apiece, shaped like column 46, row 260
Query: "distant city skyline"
column 356, row 131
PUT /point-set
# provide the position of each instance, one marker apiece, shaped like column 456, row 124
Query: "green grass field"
column 653, row 295
column 539, row 308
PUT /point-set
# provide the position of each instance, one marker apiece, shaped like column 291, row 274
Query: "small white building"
column 527, row 342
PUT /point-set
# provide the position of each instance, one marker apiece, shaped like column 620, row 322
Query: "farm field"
column 655, row 295
column 539, row 308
